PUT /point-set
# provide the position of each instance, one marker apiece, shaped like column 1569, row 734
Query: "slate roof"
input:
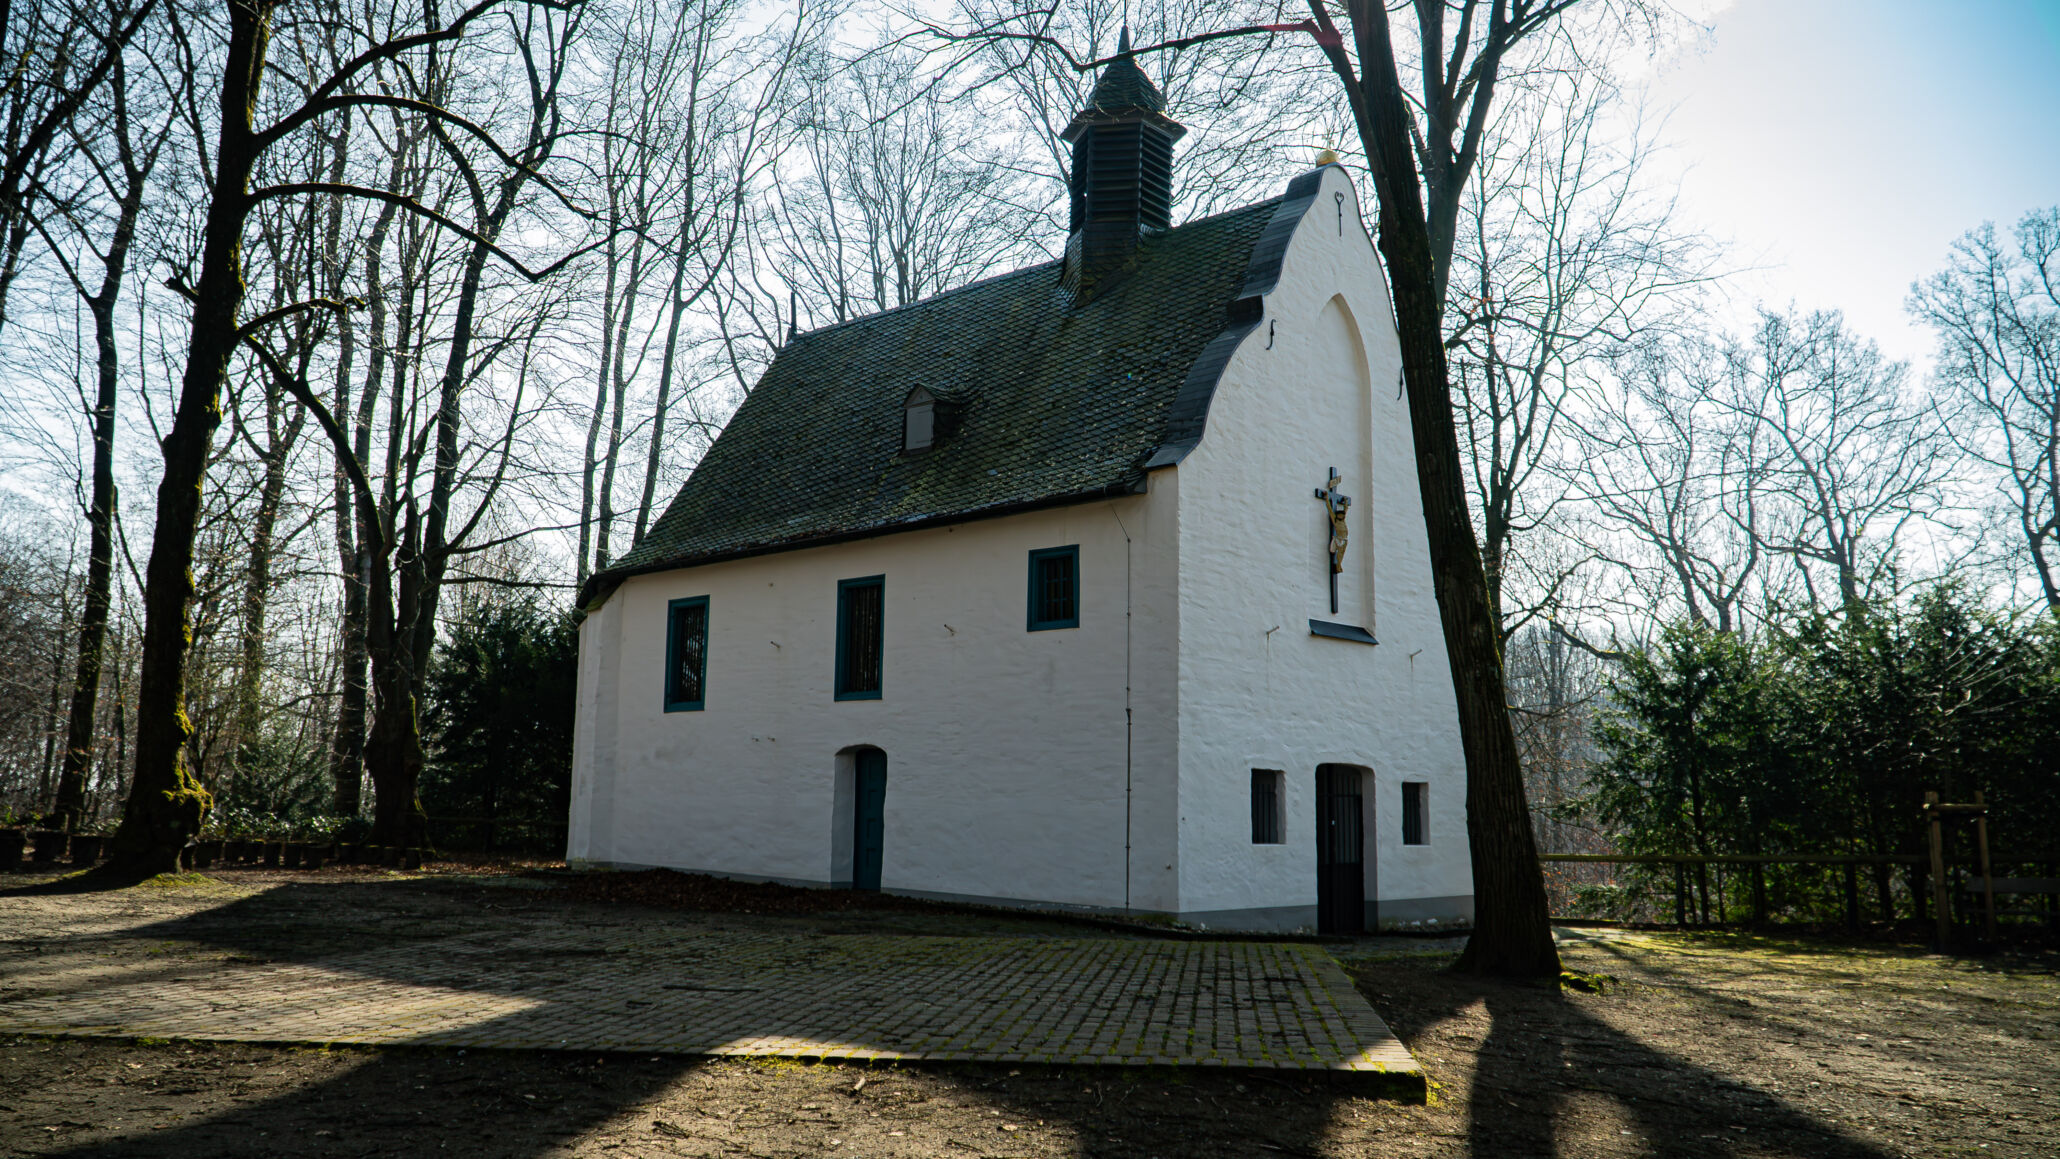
column 1060, row 402
column 1123, row 87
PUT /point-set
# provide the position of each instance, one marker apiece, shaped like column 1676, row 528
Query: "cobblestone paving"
column 224, row 963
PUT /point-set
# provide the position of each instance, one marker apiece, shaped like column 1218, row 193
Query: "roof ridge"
column 1017, row 272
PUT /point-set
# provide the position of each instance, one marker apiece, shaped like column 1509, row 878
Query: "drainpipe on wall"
column 1127, row 721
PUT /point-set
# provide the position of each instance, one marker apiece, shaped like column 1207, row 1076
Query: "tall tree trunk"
column 393, row 749
column 605, row 531
column 45, row 781
column 79, row 733
column 1512, row 928
column 664, row 402
column 401, row 649
column 353, row 536
column 79, row 730
column 606, row 514
column 586, row 480
column 257, row 583
column 166, row 803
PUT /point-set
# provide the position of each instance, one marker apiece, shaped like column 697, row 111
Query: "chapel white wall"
column 1006, row 748
column 1314, row 386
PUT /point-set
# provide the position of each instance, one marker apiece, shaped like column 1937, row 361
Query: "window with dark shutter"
column 918, row 420
column 1267, row 826
column 860, row 607
column 1413, row 809
column 686, row 654
column 1055, row 588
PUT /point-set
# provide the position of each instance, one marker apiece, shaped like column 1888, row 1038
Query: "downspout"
column 1127, row 718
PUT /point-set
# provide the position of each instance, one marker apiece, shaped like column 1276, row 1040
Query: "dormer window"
column 918, row 420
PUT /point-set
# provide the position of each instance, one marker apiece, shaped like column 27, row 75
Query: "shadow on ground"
column 1545, row 1077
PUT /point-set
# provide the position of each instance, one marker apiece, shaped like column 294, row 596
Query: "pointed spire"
column 1122, row 91
column 1122, row 178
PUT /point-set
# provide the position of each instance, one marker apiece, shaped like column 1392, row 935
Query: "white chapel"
column 1100, row 585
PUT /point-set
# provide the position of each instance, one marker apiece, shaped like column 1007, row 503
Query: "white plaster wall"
column 1256, row 689
column 1007, row 750
column 594, row 734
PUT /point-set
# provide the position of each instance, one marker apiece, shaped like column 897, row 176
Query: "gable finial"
column 1123, row 42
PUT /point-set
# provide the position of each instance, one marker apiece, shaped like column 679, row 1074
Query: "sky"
column 1841, row 146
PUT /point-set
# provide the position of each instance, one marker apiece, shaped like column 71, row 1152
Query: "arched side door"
column 870, row 812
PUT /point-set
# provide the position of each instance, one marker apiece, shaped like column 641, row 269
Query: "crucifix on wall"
column 1335, row 504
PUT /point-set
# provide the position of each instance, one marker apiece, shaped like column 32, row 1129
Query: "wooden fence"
column 1755, row 864
column 498, row 834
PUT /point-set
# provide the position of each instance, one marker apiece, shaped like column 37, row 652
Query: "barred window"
column 686, row 654
column 1055, row 588
column 860, row 609
column 1267, row 825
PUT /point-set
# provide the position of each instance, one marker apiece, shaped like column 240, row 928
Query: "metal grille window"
column 686, row 654
column 1267, row 828
column 1339, row 821
column 860, row 608
column 1413, row 809
column 1055, row 588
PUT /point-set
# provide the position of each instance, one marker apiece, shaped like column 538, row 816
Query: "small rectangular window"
column 919, row 425
column 1055, row 588
column 686, row 654
column 1267, row 826
column 1414, row 808
column 860, row 611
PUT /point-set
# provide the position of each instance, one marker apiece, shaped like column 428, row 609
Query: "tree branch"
column 415, row 207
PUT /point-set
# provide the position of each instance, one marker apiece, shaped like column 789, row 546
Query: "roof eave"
column 602, row 584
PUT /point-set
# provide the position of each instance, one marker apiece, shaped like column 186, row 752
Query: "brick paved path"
column 397, row 963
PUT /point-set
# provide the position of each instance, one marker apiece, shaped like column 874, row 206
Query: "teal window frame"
column 844, row 637
column 672, row 654
column 1032, row 621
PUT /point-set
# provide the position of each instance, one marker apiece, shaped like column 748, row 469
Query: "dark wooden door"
column 871, row 812
column 1340, row 852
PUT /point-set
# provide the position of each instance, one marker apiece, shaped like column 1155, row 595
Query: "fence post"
column 1681, row 894
column 1939, row 900
column 1988, row 882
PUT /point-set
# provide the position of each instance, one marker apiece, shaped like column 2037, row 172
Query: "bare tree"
column 166, row 803
column 695, row 96
column 95, row 221
column 899, row 196
column 1854, row 460
column 1565, row 258
column 1996, row 308
column 1555, row 687
column 270, row 436
column 723, row 141
column 1677, row 482
column 52, row 58
column 36, row 580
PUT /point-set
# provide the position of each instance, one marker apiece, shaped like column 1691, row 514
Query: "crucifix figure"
column 1334, row 505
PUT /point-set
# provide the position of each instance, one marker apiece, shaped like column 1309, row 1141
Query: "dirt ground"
column 1713, row 1045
